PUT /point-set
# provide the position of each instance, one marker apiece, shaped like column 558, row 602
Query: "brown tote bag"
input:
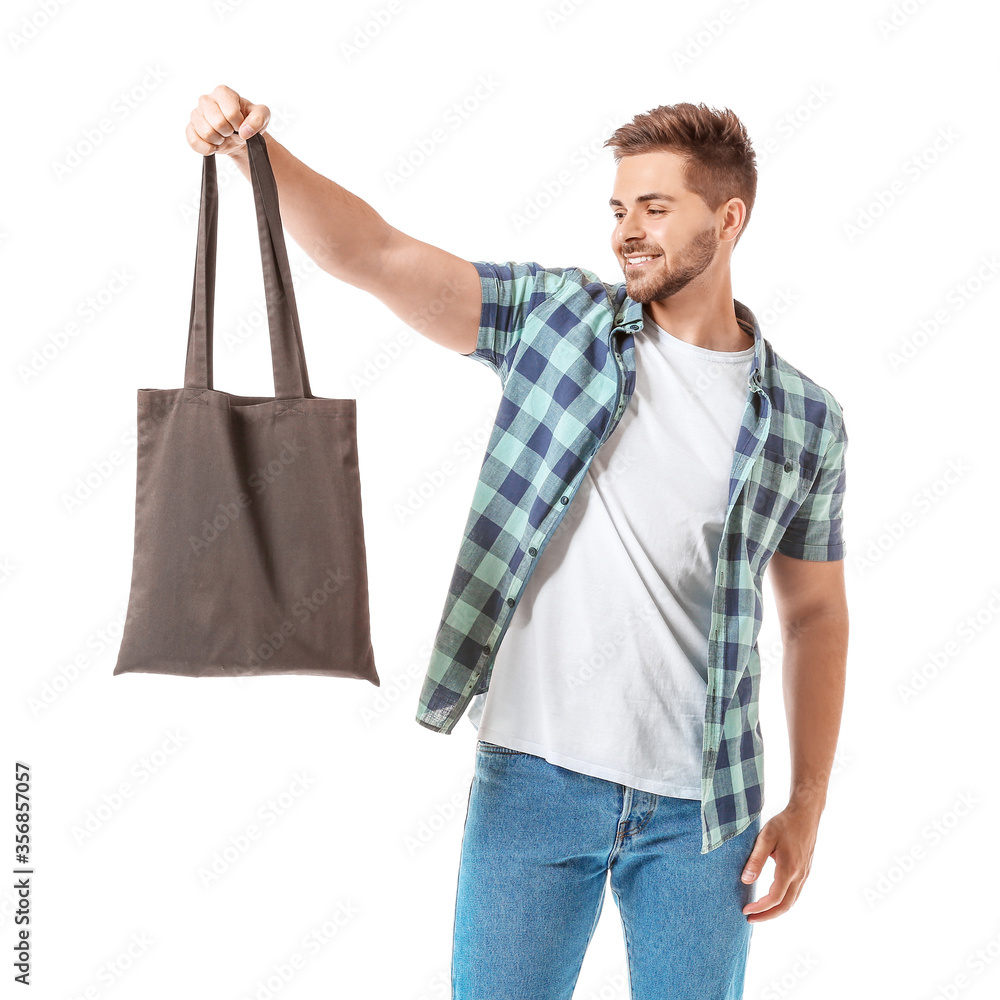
column 249, row 542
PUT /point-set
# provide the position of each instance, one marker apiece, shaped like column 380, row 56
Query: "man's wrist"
column 808, row 795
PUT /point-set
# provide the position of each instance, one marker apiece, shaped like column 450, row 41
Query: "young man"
column 652, row 455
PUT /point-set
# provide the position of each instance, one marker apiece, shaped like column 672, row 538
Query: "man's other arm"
column 812, row 610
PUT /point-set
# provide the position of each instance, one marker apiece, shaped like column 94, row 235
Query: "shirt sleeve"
column 817, row 530
column 510, row 292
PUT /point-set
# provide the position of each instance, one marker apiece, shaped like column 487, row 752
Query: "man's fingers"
column 196, row 142
column 774, row 896
column 208, row 132
column 223, row 109
column 211, row 122
column 762, row 848
column 785, row 874
column 255, row 118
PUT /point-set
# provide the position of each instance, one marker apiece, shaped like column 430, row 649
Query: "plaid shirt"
column 562, row 343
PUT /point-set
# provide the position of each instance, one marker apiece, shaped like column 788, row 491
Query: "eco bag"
column 249, row 554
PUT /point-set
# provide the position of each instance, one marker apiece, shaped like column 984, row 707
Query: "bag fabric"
column 249, row 552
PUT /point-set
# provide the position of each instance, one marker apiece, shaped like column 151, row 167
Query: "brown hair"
column 719, row 160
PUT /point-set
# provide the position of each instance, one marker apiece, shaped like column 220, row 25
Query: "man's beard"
column 690, row 261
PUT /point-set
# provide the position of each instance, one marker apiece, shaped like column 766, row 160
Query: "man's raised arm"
column 431, row 290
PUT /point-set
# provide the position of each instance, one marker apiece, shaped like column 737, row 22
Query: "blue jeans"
column 539, row 841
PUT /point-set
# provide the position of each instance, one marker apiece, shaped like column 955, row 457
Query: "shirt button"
column 564, row 499
column 486, row 649
column 788, row 466
column 510, row 602
column 532, row 551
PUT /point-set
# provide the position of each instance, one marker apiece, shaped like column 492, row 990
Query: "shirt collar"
column 629, row 319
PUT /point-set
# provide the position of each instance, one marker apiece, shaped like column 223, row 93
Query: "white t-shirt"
column 603, row 668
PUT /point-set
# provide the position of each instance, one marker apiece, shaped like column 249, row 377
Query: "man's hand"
column 223, row 121
column 790, row 838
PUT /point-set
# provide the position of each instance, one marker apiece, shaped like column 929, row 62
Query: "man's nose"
column 628, row 231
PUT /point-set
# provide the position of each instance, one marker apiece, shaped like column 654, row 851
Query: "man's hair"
column 719, row 159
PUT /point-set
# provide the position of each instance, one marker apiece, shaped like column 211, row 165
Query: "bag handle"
column 291, row 379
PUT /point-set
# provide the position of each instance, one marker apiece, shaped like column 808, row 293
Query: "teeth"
column 639, row 260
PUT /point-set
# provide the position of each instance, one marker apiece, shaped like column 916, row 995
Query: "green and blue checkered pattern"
column 562, row 343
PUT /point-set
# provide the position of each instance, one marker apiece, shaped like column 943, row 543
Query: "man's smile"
column 640, row 259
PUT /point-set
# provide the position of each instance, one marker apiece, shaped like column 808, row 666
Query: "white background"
column 845, row 103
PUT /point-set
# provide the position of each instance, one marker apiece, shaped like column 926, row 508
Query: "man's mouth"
column 640, row 259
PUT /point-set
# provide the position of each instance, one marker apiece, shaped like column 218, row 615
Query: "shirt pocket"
column 783, row 482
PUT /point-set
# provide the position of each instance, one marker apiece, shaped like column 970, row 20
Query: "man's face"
column 674, row 227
